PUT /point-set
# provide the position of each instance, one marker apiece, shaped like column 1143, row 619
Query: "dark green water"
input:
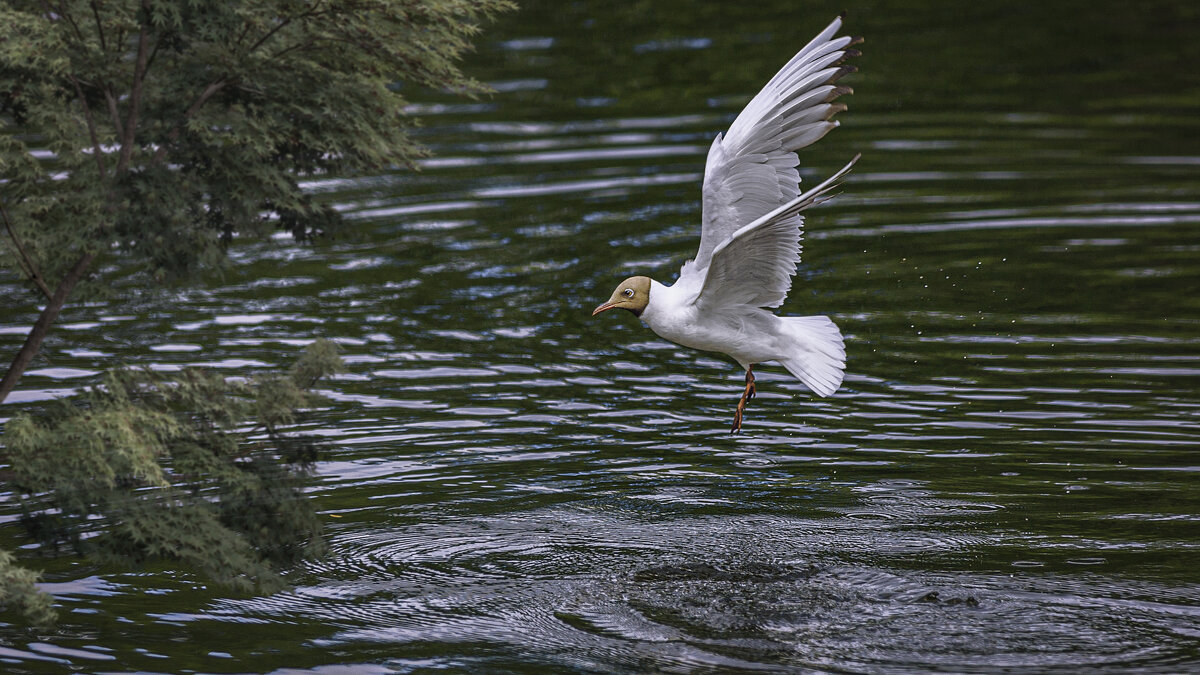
column 1007, row 479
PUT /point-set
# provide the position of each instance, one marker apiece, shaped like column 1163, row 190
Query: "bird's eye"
column 628, row 292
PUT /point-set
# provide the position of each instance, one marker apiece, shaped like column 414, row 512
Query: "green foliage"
column 175, row 126
column 160, row 130
column 19, row 592
column 191, row 468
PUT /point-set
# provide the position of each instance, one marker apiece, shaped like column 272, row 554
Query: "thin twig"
column 315, row 11
column 99, row 25
column 154, row 52
column 297, row 46
column 112, row 109
column 27, row 265
column 242, row 36
column 53, row 13
column 74, row 26
column 271, row 32
column 91, row 124
column 87, row 111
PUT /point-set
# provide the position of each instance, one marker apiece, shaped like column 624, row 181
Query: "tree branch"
column 41, row 327
column 242, row 36
column 99, row 25
column 314, row 11
column 157, row 44
column 297, row 46
column 214, row 87
column 26, row 262
column 87, row 111
column 135, row 97
column 112, row 109
column 61, row 13
column 173, row 134
column 271, row 32
column 91, row 123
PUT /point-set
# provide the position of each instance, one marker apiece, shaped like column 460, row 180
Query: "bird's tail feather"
column 816, row 353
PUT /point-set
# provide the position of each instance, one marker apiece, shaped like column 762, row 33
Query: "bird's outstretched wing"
column 751, row 170
column 754, row 266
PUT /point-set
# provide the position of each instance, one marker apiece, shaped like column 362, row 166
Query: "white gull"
column 751, row 230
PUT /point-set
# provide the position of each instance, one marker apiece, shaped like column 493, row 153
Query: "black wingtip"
column 835, row 108
column 840, row 73
column 847, row 54
column 838, row 91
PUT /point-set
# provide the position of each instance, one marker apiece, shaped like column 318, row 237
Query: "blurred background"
column 1007, row 478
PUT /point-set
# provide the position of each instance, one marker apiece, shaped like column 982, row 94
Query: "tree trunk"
column 33, row 342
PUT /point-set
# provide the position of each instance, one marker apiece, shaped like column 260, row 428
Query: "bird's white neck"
column 662, row 304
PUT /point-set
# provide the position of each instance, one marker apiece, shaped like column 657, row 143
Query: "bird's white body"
column 751, row 229
column 750, row 335
column 809, row 347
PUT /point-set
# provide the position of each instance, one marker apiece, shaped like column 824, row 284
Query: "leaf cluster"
column 19, row 593
column 192, row 468
column 164, row 128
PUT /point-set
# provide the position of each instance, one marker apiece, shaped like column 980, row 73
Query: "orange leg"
column 746, row 396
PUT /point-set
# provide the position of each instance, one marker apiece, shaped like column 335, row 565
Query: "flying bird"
column 752, row 224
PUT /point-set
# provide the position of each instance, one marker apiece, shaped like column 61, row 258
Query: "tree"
column 159, row 131
column 173, row 127
column 192, row 468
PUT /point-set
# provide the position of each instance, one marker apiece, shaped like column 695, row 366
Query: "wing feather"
column 751, row 169
column 754, row 267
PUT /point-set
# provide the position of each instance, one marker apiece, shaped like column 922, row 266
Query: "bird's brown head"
column 632, row 294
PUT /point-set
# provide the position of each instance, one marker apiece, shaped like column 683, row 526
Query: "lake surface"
column 1008, row 478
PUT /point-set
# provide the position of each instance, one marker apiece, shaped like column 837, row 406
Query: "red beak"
column 603, row 308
